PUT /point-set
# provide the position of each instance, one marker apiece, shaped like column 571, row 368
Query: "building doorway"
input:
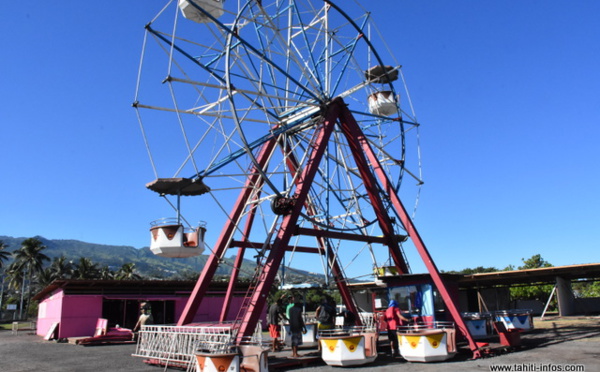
column 125, row 313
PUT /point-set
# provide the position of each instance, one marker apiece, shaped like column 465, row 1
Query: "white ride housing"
column 478, row 324
column 351, row 347
column 309, row 339
column 207, row 362
column 383, row 103
column 189, row 11
column 515, row 319
column 253, row 358
column 170, row 239
column 430, row 342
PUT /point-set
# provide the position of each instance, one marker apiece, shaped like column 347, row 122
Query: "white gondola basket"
column 209, row 362
column 429, row 342
column 212, row 7
column 171, row 239
column 348, row 347
column 383, row 103
column 478, row 324
column 515, row 318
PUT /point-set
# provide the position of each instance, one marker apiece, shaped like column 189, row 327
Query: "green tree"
column 128, row 272
column 44, row 278
column 86, row 269
column 15, row 277
column 106, row 273
column 61, row 268
column 477, row 270
column 534, row 262
column 4, row 254
column 532, row 292
column 29, row 259
column 587, row 289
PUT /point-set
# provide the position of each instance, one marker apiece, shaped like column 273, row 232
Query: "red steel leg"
column 212, row 263
column 288, row 225
column 353, row 132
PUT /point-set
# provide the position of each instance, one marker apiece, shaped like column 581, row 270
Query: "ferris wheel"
column 289, row 126
column 231, row 78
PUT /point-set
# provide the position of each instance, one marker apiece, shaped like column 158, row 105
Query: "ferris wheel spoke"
column 287, row 48
column 315, row 24
column 263, row 57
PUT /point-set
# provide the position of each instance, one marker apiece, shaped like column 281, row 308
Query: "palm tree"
column 15, row 281
column 128, row 272
column 61, row 268
column 4, row 254
column 30, row 260
column 106, row 273
column 15, row 276
column 86, row 269
column 44, row 278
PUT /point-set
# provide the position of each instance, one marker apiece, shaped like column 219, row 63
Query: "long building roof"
column 544, row 275
column 131, row 287
column 532, row 276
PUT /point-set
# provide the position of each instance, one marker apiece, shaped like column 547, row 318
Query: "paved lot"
column 554, row 342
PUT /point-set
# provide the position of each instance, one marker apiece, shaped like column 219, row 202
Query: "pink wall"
column 49, row 311
column 77, row 314
column 210, row 309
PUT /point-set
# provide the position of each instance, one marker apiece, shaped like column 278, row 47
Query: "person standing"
column 349, row 318
column 275, row 315
column 325, row 314
column 145, row 317
column 297, row 327
column 393, row 318
column 289, row 305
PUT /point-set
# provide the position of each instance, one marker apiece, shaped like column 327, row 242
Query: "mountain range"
column 146, row 263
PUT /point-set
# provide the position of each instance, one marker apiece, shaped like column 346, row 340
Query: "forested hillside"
column 146, row 263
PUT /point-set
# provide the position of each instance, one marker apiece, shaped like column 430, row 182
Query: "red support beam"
column 289, row 248
column 222, row 244
column 353, row 131
column 343, row 236
column 239, row 258
column 288, row 224
column 324, row 248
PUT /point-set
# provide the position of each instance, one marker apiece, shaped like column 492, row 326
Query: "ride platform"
column 283, row 361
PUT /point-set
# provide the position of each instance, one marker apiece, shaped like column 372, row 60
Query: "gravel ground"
column 553, row 345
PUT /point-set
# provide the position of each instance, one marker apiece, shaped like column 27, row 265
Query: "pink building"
column 76, row 305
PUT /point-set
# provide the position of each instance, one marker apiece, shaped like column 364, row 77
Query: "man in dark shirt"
column 274, row 316
column 297, row 327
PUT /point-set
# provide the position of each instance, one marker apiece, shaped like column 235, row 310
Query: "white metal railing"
column 349, row 331
column 367, row 319
column 176, row 345
column 418, row 327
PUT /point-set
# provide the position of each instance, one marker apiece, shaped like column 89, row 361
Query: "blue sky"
column 507, row 93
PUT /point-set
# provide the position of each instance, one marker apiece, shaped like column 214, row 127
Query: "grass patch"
column 6, row 326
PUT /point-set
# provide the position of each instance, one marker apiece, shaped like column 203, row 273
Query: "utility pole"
column 2, row 296
column 21, row 304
